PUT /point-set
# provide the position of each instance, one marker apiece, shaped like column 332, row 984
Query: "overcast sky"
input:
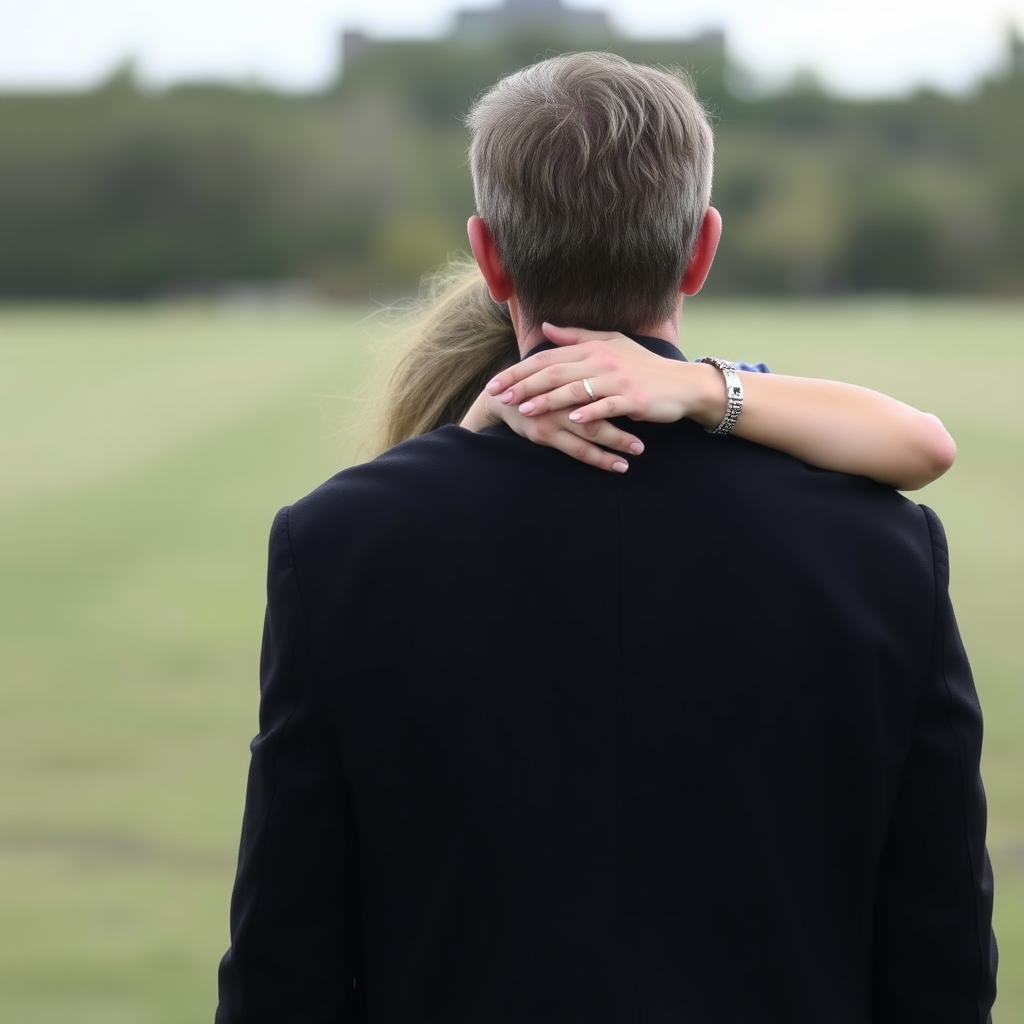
column 867, row 47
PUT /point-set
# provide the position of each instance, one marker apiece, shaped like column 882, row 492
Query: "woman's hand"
column 545, row 398
column 625, row 379
column 587, row 442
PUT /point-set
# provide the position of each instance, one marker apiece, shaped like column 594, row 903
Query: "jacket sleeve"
column 934, row 955
column 293, row 909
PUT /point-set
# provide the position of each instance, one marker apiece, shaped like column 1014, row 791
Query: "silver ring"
column 589, row 390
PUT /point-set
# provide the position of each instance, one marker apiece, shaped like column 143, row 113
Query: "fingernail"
column 620, row 467
column 575, row 416
column 636, row 448
column 527, row 407
column 493, row 387
column 507, row 397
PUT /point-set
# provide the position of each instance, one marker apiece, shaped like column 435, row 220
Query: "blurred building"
column 486, row 24
column 535, row 20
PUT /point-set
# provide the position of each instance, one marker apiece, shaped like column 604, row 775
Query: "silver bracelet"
column 733, row 394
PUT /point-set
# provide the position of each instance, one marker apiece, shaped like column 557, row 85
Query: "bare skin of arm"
column 824, row 422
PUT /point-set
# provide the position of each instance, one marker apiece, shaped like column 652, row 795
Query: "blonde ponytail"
column 456, row 339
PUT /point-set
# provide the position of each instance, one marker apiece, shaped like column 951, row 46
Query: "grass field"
column 144, row 452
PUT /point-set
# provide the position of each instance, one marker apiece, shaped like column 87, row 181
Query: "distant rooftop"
column 483, row 24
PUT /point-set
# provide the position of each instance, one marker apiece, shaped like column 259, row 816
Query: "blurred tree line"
column 124, row 193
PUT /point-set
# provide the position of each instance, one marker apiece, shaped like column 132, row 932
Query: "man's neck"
column 530, row 338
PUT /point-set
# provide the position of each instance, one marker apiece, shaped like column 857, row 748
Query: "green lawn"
column 144, row 453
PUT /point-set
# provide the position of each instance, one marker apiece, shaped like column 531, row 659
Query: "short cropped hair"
column 593, row 175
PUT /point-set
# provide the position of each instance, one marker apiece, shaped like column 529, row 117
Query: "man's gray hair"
column 593, row 175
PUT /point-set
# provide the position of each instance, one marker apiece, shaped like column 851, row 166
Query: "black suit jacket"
column 697, row 744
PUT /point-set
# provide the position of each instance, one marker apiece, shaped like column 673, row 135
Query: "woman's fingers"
column 607, row 435
column 576, row 346
column 596, row 443
column 601, row 409
column 568, row 396
column 575, row 447
column 541, row 372
column 591, row 447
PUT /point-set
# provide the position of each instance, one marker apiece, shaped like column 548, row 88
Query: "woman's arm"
column 843, row 427
column 827, row 423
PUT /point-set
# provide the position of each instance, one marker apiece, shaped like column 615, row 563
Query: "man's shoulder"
column 452, row 475
column 424, row 471
column 786, row 500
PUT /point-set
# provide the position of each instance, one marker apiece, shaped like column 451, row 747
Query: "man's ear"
column 703, row 252
column 485, row 252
